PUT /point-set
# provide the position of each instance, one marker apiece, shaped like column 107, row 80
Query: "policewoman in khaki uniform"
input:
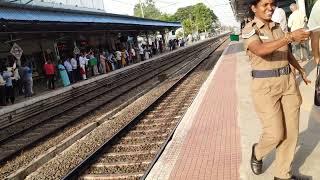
column 276, row 95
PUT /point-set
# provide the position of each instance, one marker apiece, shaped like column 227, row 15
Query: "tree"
column 197, row 17
column 149, row 9
column 167, row 17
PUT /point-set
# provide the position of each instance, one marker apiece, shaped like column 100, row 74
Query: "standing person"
column 7, row 76
column 16, row 79
column 279, row 16
column 133, row 55
column 112, row 61
column 314, row 21
column 103, row 62
column 63, row 74
column 141, row 52
column 146, row 53
column 118, row 58
column 124, row 56
column 297, row 21
column 160, row 45
column 274, row 90
column 27, row 80
column 93, row 63
column 83, row 61
column 170, row 45
column 49, row 71
column 2, row 89
column 69, row 68
column 154, row 48
column 74, row 65
column 20, row 82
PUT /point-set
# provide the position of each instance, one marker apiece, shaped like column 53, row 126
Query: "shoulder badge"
column 249, row 34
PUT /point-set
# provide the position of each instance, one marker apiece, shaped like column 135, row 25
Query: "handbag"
column 317, row 88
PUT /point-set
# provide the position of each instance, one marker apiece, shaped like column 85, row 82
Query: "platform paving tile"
column 206, row 144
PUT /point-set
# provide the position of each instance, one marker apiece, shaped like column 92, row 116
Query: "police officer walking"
column 276, row 95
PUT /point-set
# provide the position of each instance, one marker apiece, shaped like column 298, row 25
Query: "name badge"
column 264, row 37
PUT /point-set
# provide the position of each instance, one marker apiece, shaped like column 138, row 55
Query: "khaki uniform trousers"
column 277, row 101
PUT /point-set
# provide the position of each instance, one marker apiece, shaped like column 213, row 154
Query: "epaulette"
column 248, row 34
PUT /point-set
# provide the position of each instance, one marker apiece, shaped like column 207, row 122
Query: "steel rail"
column 80, row 168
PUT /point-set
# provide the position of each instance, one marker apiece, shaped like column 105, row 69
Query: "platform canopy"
column 241, row 8
column 28, row 18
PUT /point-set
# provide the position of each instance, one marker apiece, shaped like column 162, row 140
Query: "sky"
column 221, row 8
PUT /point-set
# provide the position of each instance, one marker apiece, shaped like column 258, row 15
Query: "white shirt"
column 141, row 50
column 147, row 55
column 314, row 19
column 279, row 16
column 133, row 52
column 296, row 20
column 83, row 61
column 67, row 65
column 118, row 55
column 74, row 63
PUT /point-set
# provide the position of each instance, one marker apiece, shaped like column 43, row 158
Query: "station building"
column 48, row 33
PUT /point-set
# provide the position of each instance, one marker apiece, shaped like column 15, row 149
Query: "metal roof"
column 53, row 15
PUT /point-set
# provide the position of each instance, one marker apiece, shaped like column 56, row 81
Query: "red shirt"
column 49, row 69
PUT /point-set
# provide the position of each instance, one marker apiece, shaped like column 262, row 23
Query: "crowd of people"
column 296, row 20
column 71, row 68
column 15, row 80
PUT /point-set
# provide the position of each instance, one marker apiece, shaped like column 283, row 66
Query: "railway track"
column 26, row 133
column 132, row 151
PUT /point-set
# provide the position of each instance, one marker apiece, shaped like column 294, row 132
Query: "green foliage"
column 193, row 18
column 149, row 9
column 197, row 17
column 167, row 17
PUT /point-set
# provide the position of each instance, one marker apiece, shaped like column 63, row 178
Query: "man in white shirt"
column 297, row 21
column 279, row 16
column 68, row 67
column 314, row 21
column 74, row 65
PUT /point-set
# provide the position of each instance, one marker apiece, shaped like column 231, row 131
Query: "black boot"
column 256, row 165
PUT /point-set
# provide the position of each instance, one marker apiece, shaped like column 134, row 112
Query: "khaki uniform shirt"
column 256, row 30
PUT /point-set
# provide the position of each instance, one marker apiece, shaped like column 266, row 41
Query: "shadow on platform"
column 308, row 141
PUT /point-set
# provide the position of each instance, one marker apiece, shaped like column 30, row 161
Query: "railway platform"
column 213, row 140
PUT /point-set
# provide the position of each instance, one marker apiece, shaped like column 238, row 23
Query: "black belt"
column 271, row 73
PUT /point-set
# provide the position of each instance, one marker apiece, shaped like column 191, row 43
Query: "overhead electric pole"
column 142, row 13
